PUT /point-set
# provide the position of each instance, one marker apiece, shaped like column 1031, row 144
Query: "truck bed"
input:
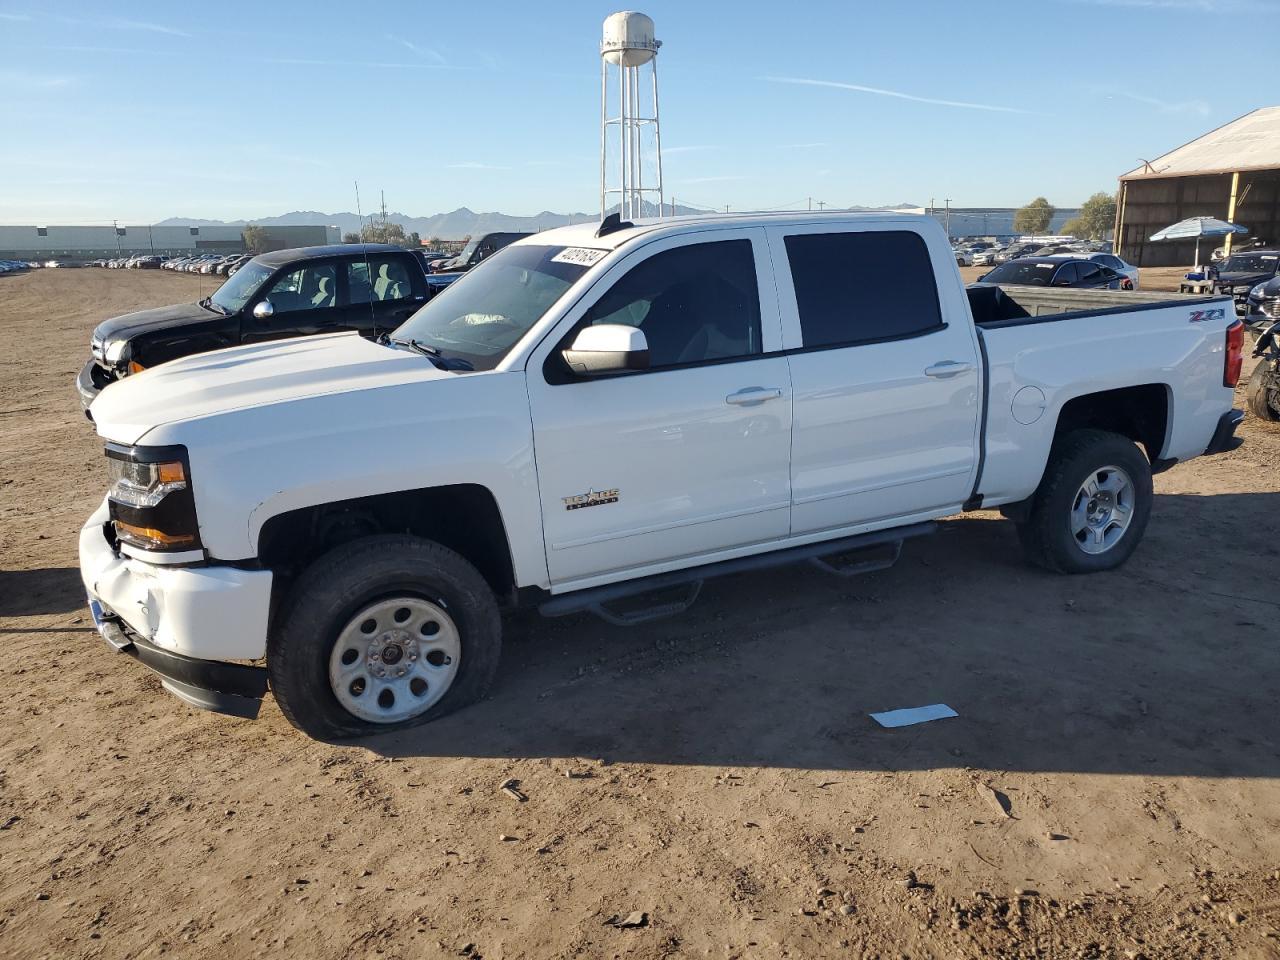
column 996, row 306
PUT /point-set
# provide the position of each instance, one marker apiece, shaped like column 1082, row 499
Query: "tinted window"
column 307, row 288
column 693, row 303
column 1067, row 273
column 853, row 287
column 1032, row 272
column 1250, row 263
column 1088, row 272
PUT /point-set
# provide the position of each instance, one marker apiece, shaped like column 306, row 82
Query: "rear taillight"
column 1235, row 354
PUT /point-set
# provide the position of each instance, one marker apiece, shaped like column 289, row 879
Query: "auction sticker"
column 583, row 256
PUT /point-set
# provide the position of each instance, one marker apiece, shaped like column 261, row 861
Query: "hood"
column 1242, row 279
column 1271, row 288
column 207, row 384
column 129, row 324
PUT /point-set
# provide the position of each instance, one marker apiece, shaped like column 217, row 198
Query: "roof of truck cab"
column 584, row 234
column 277, row 258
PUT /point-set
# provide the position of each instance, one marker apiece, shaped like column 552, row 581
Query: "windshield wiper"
column 209, row 304
column 431, row 353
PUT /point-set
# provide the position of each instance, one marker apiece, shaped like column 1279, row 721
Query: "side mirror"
column 264, row 310
column 607, row 348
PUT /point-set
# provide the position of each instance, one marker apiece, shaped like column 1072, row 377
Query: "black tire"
column 1262, row 395
column 339, row 584
column 1046, row 534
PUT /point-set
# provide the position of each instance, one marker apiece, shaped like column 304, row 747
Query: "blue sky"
column 236, row 110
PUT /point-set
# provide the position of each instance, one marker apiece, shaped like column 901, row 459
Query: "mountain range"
column 454, row 225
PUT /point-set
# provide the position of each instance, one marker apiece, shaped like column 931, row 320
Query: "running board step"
column 866, row 560
column 594, row 599
column 624, row 617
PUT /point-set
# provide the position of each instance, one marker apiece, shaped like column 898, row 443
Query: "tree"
column 1097, row 216
column 388, row 232
column 351, row 238
column 1035, row 217
column 1075, row 227
column 255, row 239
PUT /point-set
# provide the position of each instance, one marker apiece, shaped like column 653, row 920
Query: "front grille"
column 1271, row 307
column 98, row 348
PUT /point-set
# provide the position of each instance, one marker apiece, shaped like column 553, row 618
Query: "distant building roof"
column 1251, row 142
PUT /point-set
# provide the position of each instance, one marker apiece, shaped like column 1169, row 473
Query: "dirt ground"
column 714, row 777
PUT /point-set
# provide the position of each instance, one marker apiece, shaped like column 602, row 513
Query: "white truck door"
column 886, row 374
column 639, row 472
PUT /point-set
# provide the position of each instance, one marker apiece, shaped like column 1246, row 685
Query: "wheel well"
column 463, row 517
column 1140, row 413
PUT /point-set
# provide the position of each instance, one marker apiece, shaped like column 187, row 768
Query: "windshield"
column 481, row 316
column 240, row 286
column 1032, row 272
column 1251, row 263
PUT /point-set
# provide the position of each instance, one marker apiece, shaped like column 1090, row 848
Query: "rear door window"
column 1066, row 275
column 862, row 287
column 378, row 278
column 1089, row 272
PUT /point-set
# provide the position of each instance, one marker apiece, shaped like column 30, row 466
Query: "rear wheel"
column 382, row 633
column 1262, row 395
column 1092, row 507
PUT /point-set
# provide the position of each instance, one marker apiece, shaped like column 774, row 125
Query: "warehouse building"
column 1232, row 173
column 93, row 242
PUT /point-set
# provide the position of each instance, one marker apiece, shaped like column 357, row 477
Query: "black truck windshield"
column 480, row 316
column 240, row 286
column 1035, row 273
column 1251, row 263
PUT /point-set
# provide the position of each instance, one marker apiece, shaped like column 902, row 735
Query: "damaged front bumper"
column 184, row 622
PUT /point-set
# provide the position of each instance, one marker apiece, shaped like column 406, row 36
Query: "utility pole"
column 947, row 201
column 726, row 208
column 822, row 205
column 811, row 203
column 115, row 228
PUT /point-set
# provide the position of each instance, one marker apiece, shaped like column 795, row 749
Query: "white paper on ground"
column 910, row 715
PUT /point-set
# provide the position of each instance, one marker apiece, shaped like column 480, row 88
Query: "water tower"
column 630, row 145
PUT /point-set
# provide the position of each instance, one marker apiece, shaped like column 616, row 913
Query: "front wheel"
column 1091, row 507
column 382, row 633
column 1263, row 392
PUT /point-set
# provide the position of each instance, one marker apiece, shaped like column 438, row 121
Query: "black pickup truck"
column 369, row 287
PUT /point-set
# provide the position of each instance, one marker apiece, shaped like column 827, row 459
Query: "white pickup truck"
column 602, row 416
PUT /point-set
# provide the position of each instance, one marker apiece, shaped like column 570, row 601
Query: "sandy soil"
column 715, row 773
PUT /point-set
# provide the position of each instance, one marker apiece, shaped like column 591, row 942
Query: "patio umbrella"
column 1195, row 228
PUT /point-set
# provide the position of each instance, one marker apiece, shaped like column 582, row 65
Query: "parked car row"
column 220, row 266
column 14, row 266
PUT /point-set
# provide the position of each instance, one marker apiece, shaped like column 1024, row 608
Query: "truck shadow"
column 46, row 590
column 1159, row 668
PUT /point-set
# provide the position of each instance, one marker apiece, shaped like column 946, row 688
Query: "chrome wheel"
column 1102, row 510
column 395, row 659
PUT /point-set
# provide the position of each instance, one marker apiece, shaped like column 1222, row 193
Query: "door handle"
column 750, row 396
column 947, row 368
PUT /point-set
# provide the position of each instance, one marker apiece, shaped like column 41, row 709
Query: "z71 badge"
column 592, row 498
column 1202, row 316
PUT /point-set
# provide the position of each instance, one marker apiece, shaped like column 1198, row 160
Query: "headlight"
column 150, row 498
column 114, row 352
